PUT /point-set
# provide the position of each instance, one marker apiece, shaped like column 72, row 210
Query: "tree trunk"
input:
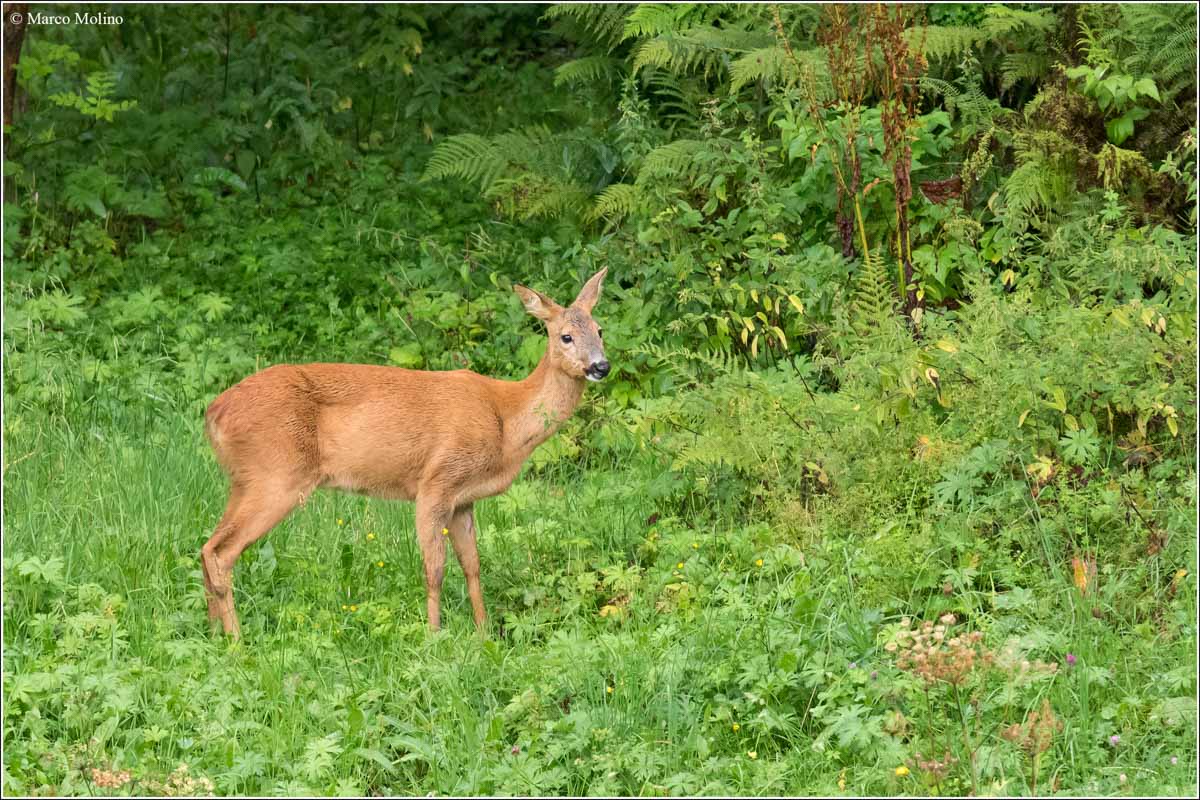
column 15, row 18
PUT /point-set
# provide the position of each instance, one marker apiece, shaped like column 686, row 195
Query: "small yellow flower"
column 753, row 754
column 353, row 609
column 609, row 690
column 379, row 563
column 758, row 563
column 370, row 537
column 345, row 607
column 901, row 771
column 445, row 531
column 679, row 565
column 842, row 780
column 341, row 521
column 736, row 727
column 695, row 545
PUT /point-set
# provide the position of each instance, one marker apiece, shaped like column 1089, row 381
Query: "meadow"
column 891, row 491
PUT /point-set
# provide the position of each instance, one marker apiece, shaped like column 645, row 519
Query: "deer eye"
column 566, row 339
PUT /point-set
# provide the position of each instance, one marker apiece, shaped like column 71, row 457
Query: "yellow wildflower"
column 901, row 771
column 445, row 531
column 353, row 609
column 758, row 563
column 695, row 545
column 379, row 563
column 736, row 727
column 753, row 754
column 341, row 521
column 609, row 690
column 345, row 607
column 842, row 780
column 679, row 565
column 370, row 537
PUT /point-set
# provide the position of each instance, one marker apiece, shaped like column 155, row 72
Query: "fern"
column 468, row 156
column 1001, row 21
column 653, row 53
column 1160, row 40
column 767, row 64
column 677, row 158
column 967, row 101
column 604, row 23
column 652, row 19
column 615, row 203
column 943, row 41
column 585, row 70
column 875, row 298
column 700, row 48
column 1044, row 177
column 694, row 367
column 697, row 50
column 678, row 101
column 773, row 65
column 525, row 173
column 531, row 196
column 1023, row 66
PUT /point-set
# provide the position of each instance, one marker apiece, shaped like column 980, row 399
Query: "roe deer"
column 444, row 439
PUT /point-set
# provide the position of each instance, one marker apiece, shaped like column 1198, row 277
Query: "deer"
column 444, row 439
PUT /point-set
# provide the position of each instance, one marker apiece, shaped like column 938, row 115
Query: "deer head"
column 576, row 347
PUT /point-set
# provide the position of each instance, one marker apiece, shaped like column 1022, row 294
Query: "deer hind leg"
column 462, row 536
column 434, row 515
column 252, row 512
column 214, row 585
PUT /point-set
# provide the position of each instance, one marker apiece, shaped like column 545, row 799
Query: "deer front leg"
column 433, row 517
column 462, row 536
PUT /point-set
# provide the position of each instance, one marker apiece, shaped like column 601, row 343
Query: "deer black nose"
column 599, row 369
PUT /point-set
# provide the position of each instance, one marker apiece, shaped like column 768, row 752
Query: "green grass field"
column 638, row 645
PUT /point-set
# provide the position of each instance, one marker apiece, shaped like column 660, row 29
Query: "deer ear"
column 590, row 292
column 537, row 303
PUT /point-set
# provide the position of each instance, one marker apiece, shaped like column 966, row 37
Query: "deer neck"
column 545, row 400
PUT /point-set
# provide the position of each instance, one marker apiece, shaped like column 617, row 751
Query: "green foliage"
column 1116, row 94
column 697, row 584
column 95, row 100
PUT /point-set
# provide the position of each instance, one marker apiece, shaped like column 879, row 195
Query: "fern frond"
column 534, row 196
column 615, row 203
column 969, row 102
column 1044, row 177
column 1023, row 66
column 677, row 100
column 652, row 53
column 701, row 48
column 653, row 19
column 604, row 23
column 677, row 158
column 1161, row 41
column 943, row 41
column 768, row 64
column 875, row 298
column 772, row 65
column 585, row 70
column 468, row 156
column 1000, row 21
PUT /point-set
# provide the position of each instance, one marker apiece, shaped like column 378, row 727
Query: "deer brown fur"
column 443, row 439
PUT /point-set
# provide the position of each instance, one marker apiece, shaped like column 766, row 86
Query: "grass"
column 644, row 640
